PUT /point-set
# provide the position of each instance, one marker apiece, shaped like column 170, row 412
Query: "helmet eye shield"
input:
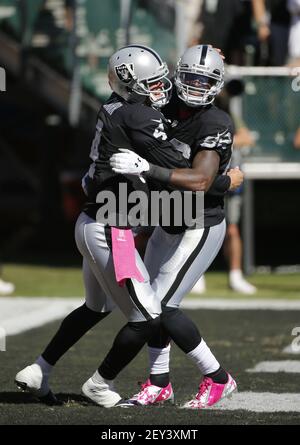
column 197, row 88
column 197, row 81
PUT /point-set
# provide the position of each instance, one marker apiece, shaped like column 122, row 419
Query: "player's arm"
column 201, row 177
column 232, row 180
column 197, row 178
column 202, row 174
column 155, row 158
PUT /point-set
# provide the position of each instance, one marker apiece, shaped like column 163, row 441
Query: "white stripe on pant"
column 176, row 262
column 138, row 304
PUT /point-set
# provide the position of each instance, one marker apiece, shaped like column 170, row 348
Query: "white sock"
column 235, row 274
column 45, row 367
column 204, row 358
column 159, row 360
column 97, row 378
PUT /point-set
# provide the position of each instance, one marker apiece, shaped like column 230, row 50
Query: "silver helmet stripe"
column 203, row 54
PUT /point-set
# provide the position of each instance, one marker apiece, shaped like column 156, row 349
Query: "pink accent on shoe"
column 151, row 394
column 123, row 250
column 211, row 393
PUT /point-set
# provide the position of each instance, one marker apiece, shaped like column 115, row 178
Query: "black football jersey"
column 128, row 125
column 202, row 128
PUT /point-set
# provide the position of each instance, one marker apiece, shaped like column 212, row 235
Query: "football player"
column 137, row 76
column 177, row 257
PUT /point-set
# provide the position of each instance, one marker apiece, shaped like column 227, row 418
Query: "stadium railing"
column 269, row 107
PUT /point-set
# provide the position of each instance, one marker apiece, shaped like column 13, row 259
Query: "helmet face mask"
column 159, row 91
column 157, row 88
column 199, row 79
column 138, row 70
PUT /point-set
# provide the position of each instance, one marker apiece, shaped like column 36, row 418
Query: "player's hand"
column 219, row 51
column 263, row 32
column 236, row 177
column 128, row 163
column 297, row 139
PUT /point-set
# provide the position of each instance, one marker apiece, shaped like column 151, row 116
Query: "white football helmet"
column 199, row 75
column 139, row 70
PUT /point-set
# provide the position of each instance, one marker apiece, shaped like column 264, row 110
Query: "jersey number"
column 95, row 145
column 160, row 132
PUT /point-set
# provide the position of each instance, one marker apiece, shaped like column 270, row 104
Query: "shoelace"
column 204, row 385
column 142, row 387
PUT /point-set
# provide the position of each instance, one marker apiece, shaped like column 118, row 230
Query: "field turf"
column 240, row 339
column 37, row 281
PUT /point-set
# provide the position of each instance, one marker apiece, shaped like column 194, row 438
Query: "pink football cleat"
column 211, row 393
column 150, row 395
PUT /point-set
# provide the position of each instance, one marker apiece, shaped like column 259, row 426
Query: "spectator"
column 273, row 24
column 217, row 18
column 193, row 10
column 227, row 24
column 297, row 139
column 294, row 37
column 233, row 245
column 262, row 19
column 243, row 48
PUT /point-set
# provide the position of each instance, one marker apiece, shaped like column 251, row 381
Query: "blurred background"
column 54, row 55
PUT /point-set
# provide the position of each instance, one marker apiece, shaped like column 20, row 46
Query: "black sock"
column 160, row 338
column 73, row 327
column 219, row 376
column 181, row 329
column 161, row 380
column 127, row 344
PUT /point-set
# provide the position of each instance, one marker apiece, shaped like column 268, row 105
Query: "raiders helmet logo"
column 123, row 72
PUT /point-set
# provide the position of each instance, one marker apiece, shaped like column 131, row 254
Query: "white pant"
column 136, row 300
column 173, row 264
column 176, row 262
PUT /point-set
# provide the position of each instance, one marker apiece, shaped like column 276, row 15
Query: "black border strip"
column 186, row 267
column 107, row 234
column 133, row 296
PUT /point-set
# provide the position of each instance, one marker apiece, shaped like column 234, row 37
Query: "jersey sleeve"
column 148, row 132
column 218, row 136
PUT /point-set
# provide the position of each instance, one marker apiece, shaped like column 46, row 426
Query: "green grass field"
column 67, row 282
column 239, row 339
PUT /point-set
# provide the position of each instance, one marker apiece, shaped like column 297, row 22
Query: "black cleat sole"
column 50, row 399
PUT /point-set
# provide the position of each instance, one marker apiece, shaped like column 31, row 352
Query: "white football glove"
column 128, row 163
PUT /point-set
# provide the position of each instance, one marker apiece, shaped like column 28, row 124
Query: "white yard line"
column 249, row 304
column 21, row 314
column 289, row 366
column 261, row 402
